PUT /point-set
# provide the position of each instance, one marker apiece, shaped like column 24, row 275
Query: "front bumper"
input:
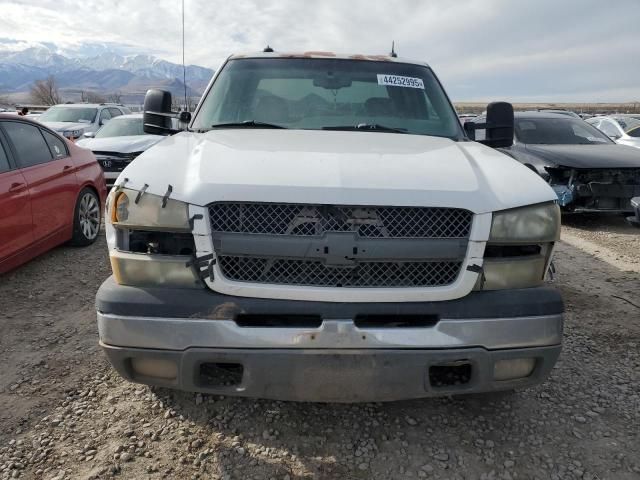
column 336, row 360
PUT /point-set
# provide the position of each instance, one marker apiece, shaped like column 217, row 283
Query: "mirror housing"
column 499, row 126
column 89, row 134
column 157, row 114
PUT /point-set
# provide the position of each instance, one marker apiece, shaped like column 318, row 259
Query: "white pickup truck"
column 324, row 230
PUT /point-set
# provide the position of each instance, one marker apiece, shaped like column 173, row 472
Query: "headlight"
column 150, row 240
column 505, row 273
column 520, row 246
column 73, row 133
column 142, row 270
column 531, row 224
column 148, row 212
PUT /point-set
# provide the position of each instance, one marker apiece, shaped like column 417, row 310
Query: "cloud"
column 580, row 50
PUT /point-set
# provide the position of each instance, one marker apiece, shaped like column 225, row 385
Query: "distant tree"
column 115, row 97
column 177, row 104
column 45, row 92
column 192, row 103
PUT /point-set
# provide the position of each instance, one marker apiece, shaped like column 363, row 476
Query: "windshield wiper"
column 246, row 124
column 367, row 126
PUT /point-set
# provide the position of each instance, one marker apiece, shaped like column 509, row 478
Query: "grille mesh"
column 369, row 222
column 315, row 273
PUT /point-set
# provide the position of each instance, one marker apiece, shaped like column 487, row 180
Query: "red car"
column 51, row 191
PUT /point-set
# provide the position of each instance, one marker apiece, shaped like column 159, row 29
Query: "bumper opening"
column 278, row 321
column 214, row 374
column 450, row 374
column 395, row 321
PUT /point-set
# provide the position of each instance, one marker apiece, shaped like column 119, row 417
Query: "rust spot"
column 294, row 55
column 320, row 54
column 358, row 57
column 378, row 57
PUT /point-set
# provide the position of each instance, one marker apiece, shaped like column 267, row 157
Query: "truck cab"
column 325, row 230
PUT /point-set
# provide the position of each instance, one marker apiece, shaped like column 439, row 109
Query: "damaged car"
column 586, row 169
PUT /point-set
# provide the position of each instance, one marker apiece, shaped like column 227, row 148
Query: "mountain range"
column 99, row 68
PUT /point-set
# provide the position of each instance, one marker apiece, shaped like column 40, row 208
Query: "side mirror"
column 157, row 115
column 89, row 135
column 615, row 137
column 498, row 126
column 104, row 121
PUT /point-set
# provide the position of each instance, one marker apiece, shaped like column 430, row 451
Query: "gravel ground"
column 65, row 414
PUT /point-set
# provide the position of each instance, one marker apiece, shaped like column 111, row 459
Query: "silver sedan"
column 623, row 129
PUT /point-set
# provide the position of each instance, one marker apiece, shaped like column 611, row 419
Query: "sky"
column 482, row 50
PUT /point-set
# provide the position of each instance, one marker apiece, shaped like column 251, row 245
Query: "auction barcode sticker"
column 400, row 81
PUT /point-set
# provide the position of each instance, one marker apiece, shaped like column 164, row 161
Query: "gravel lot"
column 65, row 414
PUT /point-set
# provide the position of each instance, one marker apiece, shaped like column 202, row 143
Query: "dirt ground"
column 65, row 414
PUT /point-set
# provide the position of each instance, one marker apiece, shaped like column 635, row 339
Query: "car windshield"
column 558, row 131
column 316, row 94
column 121, row 127
column 69, row 114
column 627, row 123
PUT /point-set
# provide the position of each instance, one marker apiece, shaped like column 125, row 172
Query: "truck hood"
column 332, row 167
column 587, row 156
column 62, row 126
column 126, row 144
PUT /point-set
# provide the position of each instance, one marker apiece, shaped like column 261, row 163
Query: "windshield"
column 303, row 93
column 627, row 123
column 121, row 127
column 558, row 131
column 69, row 114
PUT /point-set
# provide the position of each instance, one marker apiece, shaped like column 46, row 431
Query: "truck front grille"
column 315, row 220
column 339, row 246
column 315, row 273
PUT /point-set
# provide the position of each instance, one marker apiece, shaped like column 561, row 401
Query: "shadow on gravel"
column 594, row 222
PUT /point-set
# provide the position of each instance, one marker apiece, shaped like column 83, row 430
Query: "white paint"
column 350, row 168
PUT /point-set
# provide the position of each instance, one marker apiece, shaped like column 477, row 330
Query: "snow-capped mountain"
column 103, row 68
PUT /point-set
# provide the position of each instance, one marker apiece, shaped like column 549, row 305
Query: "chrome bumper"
column 184, row 333
column 173, row 334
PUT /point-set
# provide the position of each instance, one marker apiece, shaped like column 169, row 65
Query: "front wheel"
column 86, row 218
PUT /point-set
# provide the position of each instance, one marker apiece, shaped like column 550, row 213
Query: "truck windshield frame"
column 329, row 94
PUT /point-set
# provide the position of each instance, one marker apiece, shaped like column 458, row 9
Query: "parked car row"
column 74, row 120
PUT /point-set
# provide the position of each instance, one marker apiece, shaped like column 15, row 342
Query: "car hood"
column 631, row 141
column 62, row 126
column 128, row 144
column 587, row 156
column 352, row 168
